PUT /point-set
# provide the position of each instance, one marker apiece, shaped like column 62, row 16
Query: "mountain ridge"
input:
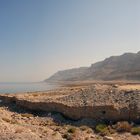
column 123, row 67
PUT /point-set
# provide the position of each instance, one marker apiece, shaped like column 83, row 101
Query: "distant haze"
column 38, row 38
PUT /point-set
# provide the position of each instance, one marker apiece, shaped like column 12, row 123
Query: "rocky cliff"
column 124, row 67
column 68, row 75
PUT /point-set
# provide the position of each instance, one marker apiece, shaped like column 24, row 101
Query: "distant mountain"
column 123, row 67
column 68, row 75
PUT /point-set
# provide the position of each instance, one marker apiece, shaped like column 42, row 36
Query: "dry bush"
column 135, row 131
column 123, row 126
column 102, row 129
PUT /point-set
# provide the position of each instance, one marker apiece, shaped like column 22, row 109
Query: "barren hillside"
column 124, row 67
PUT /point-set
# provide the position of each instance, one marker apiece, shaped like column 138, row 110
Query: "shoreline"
column 83, row 98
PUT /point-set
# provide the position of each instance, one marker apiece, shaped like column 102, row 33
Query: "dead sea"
column 26, row 87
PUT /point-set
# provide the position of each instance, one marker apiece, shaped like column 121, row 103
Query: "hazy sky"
column 40, row 37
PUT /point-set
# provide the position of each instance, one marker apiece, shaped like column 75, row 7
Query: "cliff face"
column 124, row 67
column 98, row 102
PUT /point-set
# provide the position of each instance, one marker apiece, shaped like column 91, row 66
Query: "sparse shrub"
column 27, row 115
column 123, row 127
column 135, row 131
column 72, row 130
column 102, row 129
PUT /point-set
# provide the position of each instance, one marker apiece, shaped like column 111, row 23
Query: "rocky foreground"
column 81, row 112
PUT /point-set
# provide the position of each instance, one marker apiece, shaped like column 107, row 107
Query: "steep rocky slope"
column 68, row 75
column 124, row 67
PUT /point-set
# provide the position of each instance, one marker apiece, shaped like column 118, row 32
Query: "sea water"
column 25, row 87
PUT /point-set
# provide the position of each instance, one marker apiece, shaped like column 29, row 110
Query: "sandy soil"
column 130, row 87
column 17, row 123
column 22, row 125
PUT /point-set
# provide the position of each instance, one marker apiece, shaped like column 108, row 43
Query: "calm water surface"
column 25, row 87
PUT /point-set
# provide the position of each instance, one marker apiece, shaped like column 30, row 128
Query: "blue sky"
column 40, row 37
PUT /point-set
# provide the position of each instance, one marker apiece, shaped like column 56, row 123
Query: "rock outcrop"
column 98, row 102
column 68, row 75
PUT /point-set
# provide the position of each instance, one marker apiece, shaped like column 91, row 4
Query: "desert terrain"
column 79, row 111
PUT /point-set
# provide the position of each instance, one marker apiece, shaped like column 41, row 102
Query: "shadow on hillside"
column 58, row 118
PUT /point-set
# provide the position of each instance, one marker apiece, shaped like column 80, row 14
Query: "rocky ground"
column 19, row 123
